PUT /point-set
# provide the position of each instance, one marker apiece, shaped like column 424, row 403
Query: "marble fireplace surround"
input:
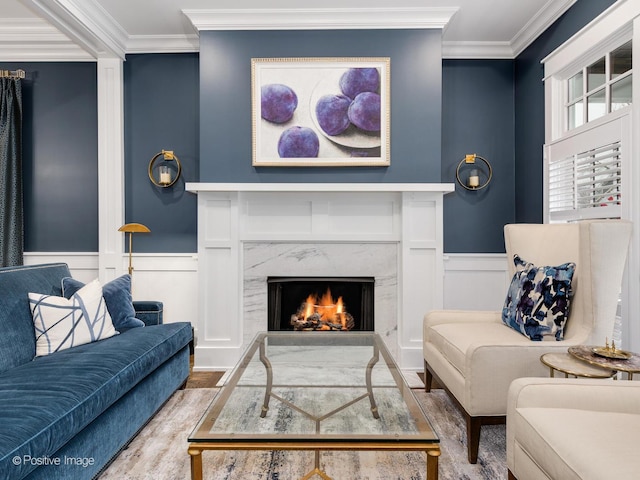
column 250, row 231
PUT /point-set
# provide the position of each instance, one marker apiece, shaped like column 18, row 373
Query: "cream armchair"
column 570, row 429
column 475, row 356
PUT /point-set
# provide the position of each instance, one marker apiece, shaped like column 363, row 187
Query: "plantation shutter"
column 586, row 185
column 584, row 174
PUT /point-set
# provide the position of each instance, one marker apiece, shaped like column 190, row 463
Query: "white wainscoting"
column 477, row 281
column 83, row 266
column 471, row 281
column 169, row 278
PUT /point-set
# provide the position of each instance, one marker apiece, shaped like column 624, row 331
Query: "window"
column 599, row 88
column 588, row 151
column 586, row 162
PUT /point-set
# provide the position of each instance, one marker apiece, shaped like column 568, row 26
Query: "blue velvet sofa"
column 66, row 415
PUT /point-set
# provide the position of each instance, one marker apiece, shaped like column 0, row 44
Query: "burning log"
column 349, row 321
column 322, row 314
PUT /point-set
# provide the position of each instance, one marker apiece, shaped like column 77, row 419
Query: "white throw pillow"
column 61, row 323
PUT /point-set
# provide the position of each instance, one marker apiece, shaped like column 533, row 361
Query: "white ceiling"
column 85, row 29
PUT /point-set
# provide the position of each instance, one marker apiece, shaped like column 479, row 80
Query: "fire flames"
column 322, row 313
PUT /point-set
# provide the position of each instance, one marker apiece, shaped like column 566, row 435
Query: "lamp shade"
column 134, row 228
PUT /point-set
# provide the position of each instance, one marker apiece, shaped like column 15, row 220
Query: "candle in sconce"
column 165, row 175
column 474, row 179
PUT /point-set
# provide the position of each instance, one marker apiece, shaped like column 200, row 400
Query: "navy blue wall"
column 161, row 98
column 225, row 101
column 478, row 117
column 529, row 125
column 440, row 111
column 60, row 151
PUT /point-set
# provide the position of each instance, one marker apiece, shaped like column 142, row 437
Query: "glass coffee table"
column 315, row 391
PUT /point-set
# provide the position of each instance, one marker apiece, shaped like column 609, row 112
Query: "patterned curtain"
column 11, row 214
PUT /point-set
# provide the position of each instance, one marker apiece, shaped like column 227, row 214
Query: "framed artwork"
column 320, row 111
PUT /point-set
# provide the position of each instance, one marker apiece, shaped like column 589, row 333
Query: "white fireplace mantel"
column 250, row 231
column 320, row 187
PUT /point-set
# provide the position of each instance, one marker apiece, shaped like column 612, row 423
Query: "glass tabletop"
column 315, row 387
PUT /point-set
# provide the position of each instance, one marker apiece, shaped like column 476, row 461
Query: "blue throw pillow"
column 538, row 300
column 117, row 296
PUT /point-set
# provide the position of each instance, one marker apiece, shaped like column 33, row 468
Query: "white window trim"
column 585, row 47
column 613, row 27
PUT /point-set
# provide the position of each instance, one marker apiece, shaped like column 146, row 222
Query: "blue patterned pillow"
column 537, row 303
column 61, row 323
column 117, row 295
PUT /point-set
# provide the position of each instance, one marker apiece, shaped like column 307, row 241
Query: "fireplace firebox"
column 320, row 303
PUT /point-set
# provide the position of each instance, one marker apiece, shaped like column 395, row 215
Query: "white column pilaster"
column 110, row 167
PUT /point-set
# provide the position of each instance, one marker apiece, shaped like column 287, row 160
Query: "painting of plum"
column 320, row 111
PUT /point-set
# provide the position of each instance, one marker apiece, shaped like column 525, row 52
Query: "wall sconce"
column 477, row 174
column 132, row 228
column 164, row 169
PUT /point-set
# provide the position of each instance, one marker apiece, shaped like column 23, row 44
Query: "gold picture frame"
column 310, row 112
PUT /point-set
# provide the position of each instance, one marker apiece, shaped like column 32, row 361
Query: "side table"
column 570, row 365
column 585, row 353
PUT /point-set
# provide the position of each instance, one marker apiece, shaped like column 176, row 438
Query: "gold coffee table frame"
column 269, row 392
column 422, row 438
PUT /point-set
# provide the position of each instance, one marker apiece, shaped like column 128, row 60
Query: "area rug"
column 159, row 452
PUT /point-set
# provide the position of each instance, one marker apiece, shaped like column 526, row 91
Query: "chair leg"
column 473, row 437
column 473, row 431
column 428, row 378
column 473, row 423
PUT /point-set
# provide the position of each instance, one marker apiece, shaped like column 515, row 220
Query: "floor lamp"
column 132, row 228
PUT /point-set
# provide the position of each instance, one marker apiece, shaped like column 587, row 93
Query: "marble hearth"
column 249, row 232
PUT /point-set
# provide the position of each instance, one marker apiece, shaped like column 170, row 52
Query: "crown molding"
column 163, row 44
column 606, row 31
column 38, row 42
column 545, row 17
column 44, row 53
column 477, row 50
column 82, row 30
column 319, row 18
column 84, row 22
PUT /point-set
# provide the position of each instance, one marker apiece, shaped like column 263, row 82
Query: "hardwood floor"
column 203, row 379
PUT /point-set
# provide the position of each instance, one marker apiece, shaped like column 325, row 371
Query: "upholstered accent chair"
column 475, row 356
column 573, row 429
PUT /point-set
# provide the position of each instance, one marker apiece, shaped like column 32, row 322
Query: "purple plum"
column 331, row 111
column 358, row 80
column 364, row 111
column 298, row 142
column 278, row 103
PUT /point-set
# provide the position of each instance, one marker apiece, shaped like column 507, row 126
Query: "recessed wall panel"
column 218, row 220
column 220, row 293
column 419, row 291
column 278, row 217
column 361, row 217
column 423, row 227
